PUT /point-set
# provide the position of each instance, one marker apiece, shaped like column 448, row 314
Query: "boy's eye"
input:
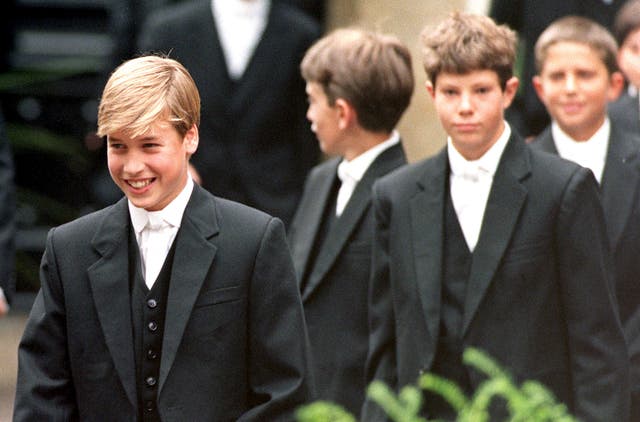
column 586, row 74
column 556, row 76
column 482, row 90
column 116, row 146
column 150, row 145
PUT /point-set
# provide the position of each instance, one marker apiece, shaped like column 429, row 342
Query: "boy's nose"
column 133, row 166
column 570, row 83
column 465, row 103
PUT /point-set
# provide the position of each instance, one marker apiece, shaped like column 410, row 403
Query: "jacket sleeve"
column 279, row 376
column 381, row 360
column 599, row 359
column 44, row 388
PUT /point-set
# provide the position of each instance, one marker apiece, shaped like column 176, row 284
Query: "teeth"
column 139, row 184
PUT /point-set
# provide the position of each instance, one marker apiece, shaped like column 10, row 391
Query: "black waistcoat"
column 148, row 308
column 456, row 270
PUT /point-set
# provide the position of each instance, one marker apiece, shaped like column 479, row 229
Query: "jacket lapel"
column 619, row 183
column 311, row 215
column 194, row 255
column 506, row 199
column 427, row 227
column 108, row 280
column 345, row 225
column 209, row 66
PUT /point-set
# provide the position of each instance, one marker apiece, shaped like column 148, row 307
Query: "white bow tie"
column 155, row 235
column 472, row 173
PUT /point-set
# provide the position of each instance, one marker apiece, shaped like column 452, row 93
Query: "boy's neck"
column 362, row 141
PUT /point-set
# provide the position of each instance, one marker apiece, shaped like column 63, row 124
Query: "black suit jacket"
column 620, row 193
column 335, row 291
column 539, row 298
column 234, row 345
column 256, row 145
column 625, row 113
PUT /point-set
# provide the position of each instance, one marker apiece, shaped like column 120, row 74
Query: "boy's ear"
column 191, row 139
column 616, row 84
column 430, row 88
column 346, row 113
column 510, row 91
column 536, row 81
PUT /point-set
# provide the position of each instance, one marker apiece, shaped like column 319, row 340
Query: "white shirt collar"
column 240, row 8
column 172, row 213
column 357, row 167
column 591, row 153
column 489, row 160
column 240, row 25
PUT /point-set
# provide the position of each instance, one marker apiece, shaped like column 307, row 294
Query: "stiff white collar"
column 172, row 213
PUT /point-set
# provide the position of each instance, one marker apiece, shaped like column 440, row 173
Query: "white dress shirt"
column 240, row 24
column 591, row 153
column 156, row 230
column 351, row 172
column 470, row 184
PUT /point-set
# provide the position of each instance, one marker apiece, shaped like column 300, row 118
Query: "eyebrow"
column 146, row 138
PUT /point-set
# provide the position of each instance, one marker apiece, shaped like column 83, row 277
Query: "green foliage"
column 531, row 402
column 323, row 411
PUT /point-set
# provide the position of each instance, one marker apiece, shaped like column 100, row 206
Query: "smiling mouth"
column 139, row 184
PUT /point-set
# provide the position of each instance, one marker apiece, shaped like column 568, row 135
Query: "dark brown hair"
column 371, row 71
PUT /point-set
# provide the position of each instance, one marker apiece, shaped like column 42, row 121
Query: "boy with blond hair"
column 359, row 83
column 577, row 76
column 171, row 304
column 492, row 245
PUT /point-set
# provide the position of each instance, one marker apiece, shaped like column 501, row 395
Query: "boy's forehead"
column 472, row 76
column 571, row 52
column 140, row 131
column 312, row 88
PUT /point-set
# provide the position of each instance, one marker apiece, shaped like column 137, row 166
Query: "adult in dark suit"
column 578, row 65
column 492, row 245
column 354, row 112
column 530, row 18
column 257, row 145
column 217, row 335
column 7, row 221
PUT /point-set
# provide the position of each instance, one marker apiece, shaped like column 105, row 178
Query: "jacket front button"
column 151, row 381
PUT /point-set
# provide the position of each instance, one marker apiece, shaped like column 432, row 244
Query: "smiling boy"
column 577, row 77
column 171, row 304
column 492, row 245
